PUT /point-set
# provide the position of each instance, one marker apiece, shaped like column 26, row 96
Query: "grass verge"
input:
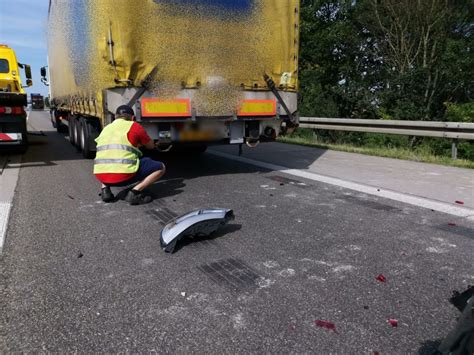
column 397, row 153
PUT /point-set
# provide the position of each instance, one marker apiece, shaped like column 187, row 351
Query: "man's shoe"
column 137, row 198
column 107, row 195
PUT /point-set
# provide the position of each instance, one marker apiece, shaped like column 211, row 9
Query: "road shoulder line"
column 371, row 190
column 8, row 182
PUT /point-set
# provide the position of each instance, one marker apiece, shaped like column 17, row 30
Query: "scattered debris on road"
column 381, row 278
column 326, row 324
column 393, row 322
column 200, row 223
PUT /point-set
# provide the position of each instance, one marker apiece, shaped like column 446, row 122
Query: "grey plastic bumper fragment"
column 197, row 223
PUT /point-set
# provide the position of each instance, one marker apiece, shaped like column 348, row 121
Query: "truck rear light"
column 17, row 110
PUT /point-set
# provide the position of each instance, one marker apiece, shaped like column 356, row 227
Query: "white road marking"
column 370, row 190
column 8, row 181
column 4, row 214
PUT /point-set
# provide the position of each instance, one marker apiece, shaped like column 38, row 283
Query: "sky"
column 23, row 28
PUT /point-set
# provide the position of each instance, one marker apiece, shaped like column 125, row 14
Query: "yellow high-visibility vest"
column 115, row 154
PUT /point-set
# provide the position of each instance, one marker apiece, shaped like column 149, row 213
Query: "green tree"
column 336, row 64
column 426, row 46
column 389, row 59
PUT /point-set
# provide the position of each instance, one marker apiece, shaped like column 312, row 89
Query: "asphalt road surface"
column 81, row 275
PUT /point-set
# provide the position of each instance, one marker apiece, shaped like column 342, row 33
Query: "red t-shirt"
column 136, row 136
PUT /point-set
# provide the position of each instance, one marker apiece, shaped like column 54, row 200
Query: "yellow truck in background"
column 196, row 72
column 13, row 99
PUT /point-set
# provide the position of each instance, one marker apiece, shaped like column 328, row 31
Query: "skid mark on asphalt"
column 368, row 203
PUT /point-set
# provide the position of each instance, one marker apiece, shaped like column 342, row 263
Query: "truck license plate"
column 194, row 136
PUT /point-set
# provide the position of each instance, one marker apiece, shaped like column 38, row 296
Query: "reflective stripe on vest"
column 114, row 161
column 120, row 146
column 115, row 154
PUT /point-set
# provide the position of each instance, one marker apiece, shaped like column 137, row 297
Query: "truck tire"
column 88, row 133
column 75, row 132
column 71, row 130
column 52, row 114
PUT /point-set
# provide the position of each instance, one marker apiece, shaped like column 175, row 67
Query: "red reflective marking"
column 5, row 137
column 16, row 110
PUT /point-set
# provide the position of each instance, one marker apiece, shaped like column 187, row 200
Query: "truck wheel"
column 75, row 132
column 71, row 130
column 87, row 136
column 52, row 114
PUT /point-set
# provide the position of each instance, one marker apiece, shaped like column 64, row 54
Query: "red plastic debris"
column 326, row 324
column 381, row 278
column 376, row 353
column 459, row 202
column 393, row 322
column 451, row 224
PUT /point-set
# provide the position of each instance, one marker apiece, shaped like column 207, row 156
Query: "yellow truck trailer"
column 196, row 72
column 13, row 133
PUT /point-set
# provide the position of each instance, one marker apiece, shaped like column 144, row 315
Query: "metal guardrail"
column 451, row 130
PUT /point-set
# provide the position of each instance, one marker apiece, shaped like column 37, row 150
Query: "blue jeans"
column 147, row 167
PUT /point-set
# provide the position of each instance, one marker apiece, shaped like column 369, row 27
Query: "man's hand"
column 150, row 144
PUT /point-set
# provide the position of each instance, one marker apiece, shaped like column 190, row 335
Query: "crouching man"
column 118, row 160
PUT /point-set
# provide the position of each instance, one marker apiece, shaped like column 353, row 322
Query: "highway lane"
column 80, row 275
